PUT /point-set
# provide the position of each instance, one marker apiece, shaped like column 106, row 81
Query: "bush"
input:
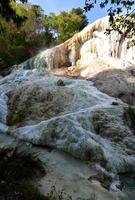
column 7, row 59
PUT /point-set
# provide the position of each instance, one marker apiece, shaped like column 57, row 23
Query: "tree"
column 8, row 10
column 80, row 12
column 46, row 30
column 61, row 27
column 25, row 29
column 19, row 42
column 123, row 23
column 66, row 24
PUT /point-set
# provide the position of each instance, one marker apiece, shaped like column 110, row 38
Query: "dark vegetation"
column 7, row 11
column 25, row 30
column 16, row 174
column 123, row 23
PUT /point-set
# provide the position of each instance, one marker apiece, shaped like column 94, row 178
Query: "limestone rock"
column 118, row 83
column 75, row 118
column 104, row 59
column 8, row 84
column 84, row 47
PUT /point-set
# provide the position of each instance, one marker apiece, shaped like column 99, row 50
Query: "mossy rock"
column 33, row 103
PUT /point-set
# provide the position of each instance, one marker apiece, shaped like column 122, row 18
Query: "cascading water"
column 72, row 115
column 3, row 112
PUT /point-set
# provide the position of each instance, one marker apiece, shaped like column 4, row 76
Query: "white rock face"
column 73, row 116
column 84, row 122
column 70, row 175
column 109, row 48
column 84, row 47
column 104, row 59
column 7, row 84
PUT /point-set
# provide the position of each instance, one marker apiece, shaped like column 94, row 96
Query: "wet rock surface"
column 94, row 55
column 71, row 115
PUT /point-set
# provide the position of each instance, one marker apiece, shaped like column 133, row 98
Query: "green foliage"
column 64, row 25
column 121, row 16
column 6, row 59
column 18, row 43
column 80, row 12
column 9, row 10
column 89, row 4
column 24, row 29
